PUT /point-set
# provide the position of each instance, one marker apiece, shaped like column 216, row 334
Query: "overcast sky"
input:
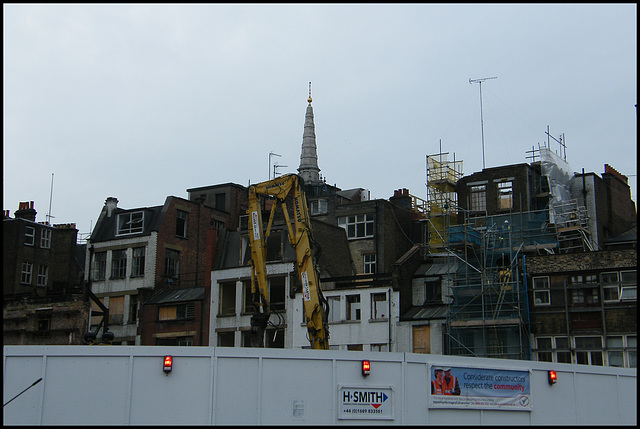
column 144, row 101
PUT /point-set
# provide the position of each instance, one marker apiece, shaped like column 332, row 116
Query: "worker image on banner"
column 436, row 385
column 444, row 383
column 450, row 385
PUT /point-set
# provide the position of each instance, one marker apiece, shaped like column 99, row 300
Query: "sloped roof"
column 436, row 311
column 177, row 295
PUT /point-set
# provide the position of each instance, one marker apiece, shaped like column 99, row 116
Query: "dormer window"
column 130, row 223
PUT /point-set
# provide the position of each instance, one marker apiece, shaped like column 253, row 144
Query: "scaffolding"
column 442, row 199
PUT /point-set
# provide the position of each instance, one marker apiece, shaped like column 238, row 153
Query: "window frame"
column 172, row 263
column 358, row 226
column 138, row 261
column 353, row 302
column 370, row 262
column 609, row 285
column 131, row 229
column 182, row 219
column 100, row 266
column 334, row 302
column 542, row 291
column 43, row 275
column 26, row 275
column 45, row 238
column 478, row 198
column 118, row 264
column 29, row 237
column 628, row 285
column 505, row 193
column 224, row 307
column 384, row 314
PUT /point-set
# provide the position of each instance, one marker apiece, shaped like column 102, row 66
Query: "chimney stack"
column 26, row 211
column 111, row 203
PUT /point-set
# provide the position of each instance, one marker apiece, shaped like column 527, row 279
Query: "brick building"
column 135, row 256
column 44, row 301
column 584, row 307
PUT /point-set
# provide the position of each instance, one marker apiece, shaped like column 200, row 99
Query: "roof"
column 436, row 311
column 436, row 269
column 177, row 295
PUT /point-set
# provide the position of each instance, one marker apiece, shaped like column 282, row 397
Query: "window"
column 133, row 308
column 116, row 310
column 319, row 207
column 137, row 265
column 29, row 235
column 220, row 202
column 610, row 286
column 589, row 350
column 545, row 354
column 357, row 226
column 43, row 272
column 334, row 308
column 379, row 347
column 353, row 307
column 433, row 290
column 275, row 338
column 181, row 223
column 130, row 223
column 478, row 198
column 27, row 270
column 177, row 312
column 100, row 266
column 227, row 298
column 45, row 238
column 248, row 301
column 505, row 195
column 615, row 351
column 541, row 292
column 354, row 347
column 632, row 350
column 370, row 263
column 563, row 353
column 171, row 263
column 226, row 339
column 43, row 321
column 276, row 293
column 379, row 306
column 581, row 297
column 175, row 341
column 628, row 281
column 119, row 264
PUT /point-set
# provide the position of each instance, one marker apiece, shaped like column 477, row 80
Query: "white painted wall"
column 125, row 385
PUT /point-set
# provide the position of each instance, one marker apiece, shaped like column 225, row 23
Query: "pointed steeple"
column 309, row 157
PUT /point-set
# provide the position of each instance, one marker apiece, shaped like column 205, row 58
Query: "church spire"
column 309, row 157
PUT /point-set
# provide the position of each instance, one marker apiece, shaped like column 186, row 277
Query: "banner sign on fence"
column 365, row 403
column 454, row 387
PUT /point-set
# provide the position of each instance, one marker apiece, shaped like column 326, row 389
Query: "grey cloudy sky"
column 144, row 101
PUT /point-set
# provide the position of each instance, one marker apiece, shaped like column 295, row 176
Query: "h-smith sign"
column 365, row 403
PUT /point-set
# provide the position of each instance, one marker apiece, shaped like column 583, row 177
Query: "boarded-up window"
column 116, row 310
column 421, row 339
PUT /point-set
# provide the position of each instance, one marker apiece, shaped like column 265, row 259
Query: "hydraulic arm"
column 300, row 238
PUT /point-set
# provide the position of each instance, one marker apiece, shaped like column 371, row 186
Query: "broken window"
column 130, row 223
column 177, row 312
column 277, row 293
column 181, row 223
column 353, row 307
column 505, row 195
column 334, row 308
column 379, row 306
column 133, row 308
column 227, row 298
column 226, row 339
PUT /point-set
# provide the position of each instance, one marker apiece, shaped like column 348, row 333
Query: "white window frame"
column 628, row 288
column 358, row 225
column 370, row 263
column 541, row 291
column 505, row 195
column 29, row 236
column 319, row 206
column 43, row 276
column 45, row 238
column 27, row 271
column 130, row 223
column 589, row 352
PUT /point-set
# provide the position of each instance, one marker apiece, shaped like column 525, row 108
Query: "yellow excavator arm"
column 300, row 238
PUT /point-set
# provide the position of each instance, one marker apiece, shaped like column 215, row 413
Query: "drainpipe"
column 389, row 315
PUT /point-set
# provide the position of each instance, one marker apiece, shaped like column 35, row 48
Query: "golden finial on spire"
column 309, row 99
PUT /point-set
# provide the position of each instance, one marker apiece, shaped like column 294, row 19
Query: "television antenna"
column 479, row 81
